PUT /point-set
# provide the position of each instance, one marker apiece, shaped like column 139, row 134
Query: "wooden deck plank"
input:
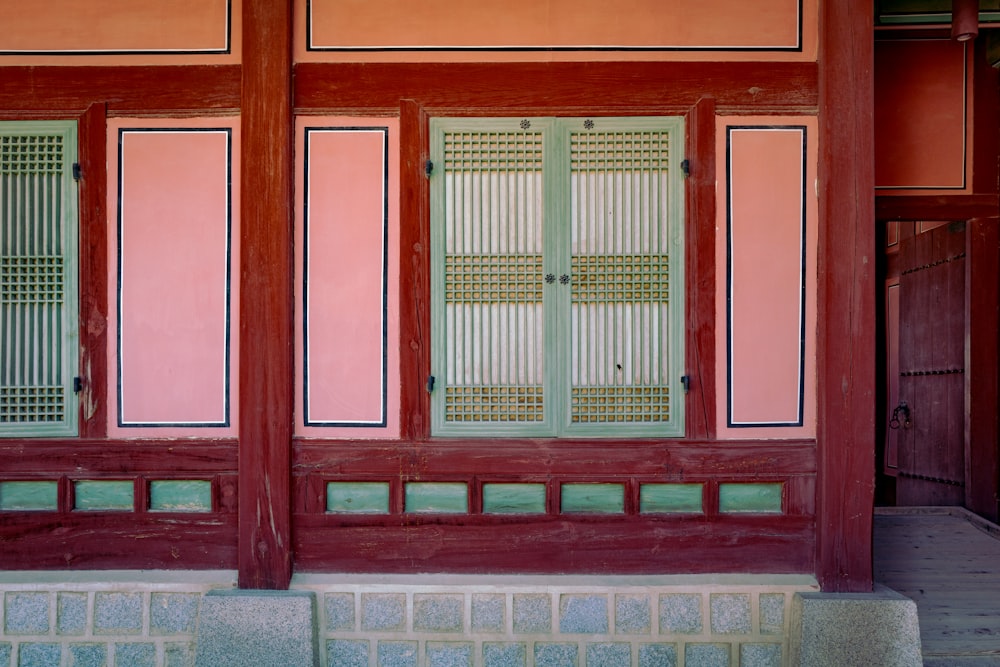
column 948, row 562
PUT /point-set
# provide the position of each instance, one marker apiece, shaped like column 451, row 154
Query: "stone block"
column 680, row 613
column 706, row 655
column 772, row 613
column 339, row 608
column 178, row 654
column 262, row 628
column 26, row 613
column 397, row 654
column 532, row 613
column 730, row 613
column 173, row 613
column 488, row 612
column 449, row 654
column 438, row 612
column 657, row 655
column 347, row 653
column 504, row 654
column 583, row 614
column 88, row 655
column 556, row 655
column 32, row 654
column 609, row 654
column 117, row 613
column 760, row 655
column 383, row 612
column 135, row 654
column 5, row 651
column 878, row 628
column 632, row 615
column 71, row 613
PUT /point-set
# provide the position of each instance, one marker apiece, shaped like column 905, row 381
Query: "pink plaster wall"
column 170, row 241
column 346, row 277
column 702, row 25
column 923, row 115
column 760, row 236
column 99, row 32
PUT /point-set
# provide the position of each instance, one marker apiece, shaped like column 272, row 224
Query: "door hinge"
column 686, row 381
column 428, row 168
column 77, row 171
column 686, row 167
column 430, row 383
column 77, row 385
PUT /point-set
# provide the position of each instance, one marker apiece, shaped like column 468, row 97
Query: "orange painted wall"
column 174, row 277
column 100, row 32
column 923, row 116
column 676, row 30
column 765, row 254
column 347, row 277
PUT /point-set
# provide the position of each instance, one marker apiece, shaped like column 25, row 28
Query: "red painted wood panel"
column 846, row 355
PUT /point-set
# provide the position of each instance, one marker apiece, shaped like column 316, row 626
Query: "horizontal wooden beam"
column 556, row 88
column 147, row 457
column 936, row 207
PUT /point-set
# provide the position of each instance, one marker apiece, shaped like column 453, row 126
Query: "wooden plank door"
column 930, row 433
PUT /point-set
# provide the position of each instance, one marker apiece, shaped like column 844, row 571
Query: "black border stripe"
column 229, row 252
column 729, row 277
column 307, row 421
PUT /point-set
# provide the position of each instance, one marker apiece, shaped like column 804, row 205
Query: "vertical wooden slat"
column 266, row 363
column 93, row 273
column 846, row 333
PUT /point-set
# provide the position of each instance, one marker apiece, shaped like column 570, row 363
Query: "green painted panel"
column 29, row 496
column 663, row 498
column 443, row 497
column 758, row 498
column 358, row 497
column 180, row 495
column 100, row 495
column 595, row 498
column 513, row 498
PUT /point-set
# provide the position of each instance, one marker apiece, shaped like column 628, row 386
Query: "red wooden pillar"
column 266, row 297
column 845, row 436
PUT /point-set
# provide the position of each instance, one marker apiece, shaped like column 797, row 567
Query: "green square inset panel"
column 593, row 498
column 509, row 498
column 180, row 495
column 437, row 497
column 358, row 497
column 29, row 496
column 750, row 498
column 89, row 495
column 670, row 498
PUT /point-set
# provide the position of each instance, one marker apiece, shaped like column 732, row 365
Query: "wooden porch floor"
column 947, row 560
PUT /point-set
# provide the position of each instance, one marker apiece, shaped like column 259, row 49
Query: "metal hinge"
column 77, row 171
column 430, row 383
column 686, row 381
column 428, row 168
column 686, row 167
column 77, row 385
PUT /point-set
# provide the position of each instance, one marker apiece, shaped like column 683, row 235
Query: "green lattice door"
column 556, row 243
column 38, row 306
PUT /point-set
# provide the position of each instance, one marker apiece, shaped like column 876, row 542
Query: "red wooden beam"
column 936, row 207
column 266, row 366
column 846, row 263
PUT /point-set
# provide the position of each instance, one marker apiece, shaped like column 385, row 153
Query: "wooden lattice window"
column 38, row 278
column 557, row 287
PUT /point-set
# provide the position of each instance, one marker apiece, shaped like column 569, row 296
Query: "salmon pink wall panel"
column 767, row 293
column 174, row 297
column 94, row 27
column 347, row 379
column 544, row 25
column 922, row 107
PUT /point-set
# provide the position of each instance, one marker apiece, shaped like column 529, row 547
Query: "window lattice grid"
column 493, row 151
column 622, row 150
column 621, row 279
column 493, row 279
column 31, row 154
column 603, row 405
column 494, row 404
column 31, row 280
column 31, row 404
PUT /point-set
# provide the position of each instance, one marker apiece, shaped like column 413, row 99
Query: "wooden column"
column 846, row 335
column 266, row 297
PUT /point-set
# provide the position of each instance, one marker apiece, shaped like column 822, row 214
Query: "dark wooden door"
column 928, row 418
